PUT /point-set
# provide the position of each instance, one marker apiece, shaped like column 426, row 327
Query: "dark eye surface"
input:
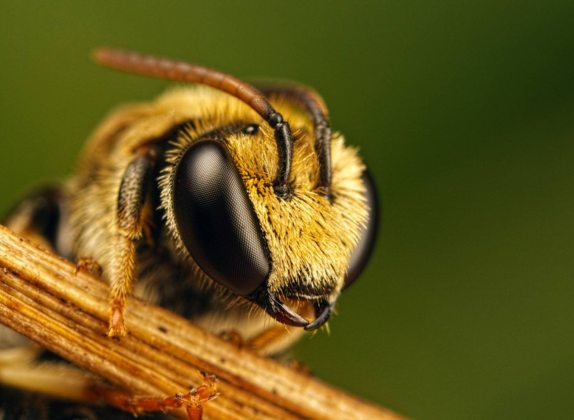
column 216, row 221
column 362, row 253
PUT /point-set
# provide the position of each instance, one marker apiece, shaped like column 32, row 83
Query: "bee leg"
column 134, row 189
column 299, row 367
column 272, row 339
column 266, row 338
column 192, row 401
column 19, row 369
column 89, row 265
column 233, row 337
column 260, row 342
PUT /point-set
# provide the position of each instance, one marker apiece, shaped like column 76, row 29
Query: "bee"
column 233, row 205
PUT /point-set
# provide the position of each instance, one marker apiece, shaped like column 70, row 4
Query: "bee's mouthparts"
column 284, row 314
column 323, row 311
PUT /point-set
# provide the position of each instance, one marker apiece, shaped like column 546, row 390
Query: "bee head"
column 292, row 256
column 274, row 222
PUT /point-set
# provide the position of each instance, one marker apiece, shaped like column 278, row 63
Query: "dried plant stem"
column 42, row 297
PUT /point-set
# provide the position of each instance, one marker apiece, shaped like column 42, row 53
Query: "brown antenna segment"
column 163, row 68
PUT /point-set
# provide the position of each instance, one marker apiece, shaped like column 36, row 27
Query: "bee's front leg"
column 132, row 195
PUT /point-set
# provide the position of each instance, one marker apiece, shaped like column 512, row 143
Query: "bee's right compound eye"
column 364, row 249
column 215, row 218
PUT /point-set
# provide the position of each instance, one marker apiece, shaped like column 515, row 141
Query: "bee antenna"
column 314, row 105
column 180, row 71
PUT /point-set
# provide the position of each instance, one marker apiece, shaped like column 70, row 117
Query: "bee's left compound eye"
column 216, row 221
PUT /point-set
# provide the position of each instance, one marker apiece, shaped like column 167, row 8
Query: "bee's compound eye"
column 215, row 218
column 364, row 249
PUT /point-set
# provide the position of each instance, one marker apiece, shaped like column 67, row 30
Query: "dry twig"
column 42, row 297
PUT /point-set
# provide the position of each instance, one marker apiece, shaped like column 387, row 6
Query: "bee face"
column 280, row 253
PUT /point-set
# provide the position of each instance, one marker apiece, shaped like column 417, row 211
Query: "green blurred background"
column 464, row 112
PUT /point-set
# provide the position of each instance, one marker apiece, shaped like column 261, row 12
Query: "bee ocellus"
column 232, row 204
